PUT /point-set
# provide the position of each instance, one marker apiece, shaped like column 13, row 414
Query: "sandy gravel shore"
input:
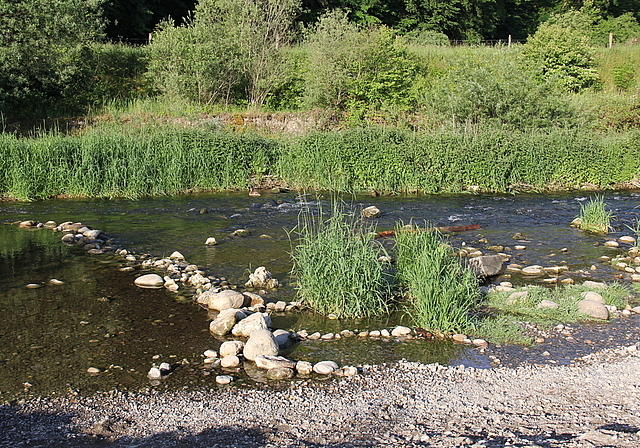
column 595, row 402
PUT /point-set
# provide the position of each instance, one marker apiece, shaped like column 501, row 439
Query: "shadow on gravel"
column 19, row 428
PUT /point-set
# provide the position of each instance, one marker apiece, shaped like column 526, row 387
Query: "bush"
column 594, row 217
column 496, row 86
column 337, row 267
column 362, row 71
column 562, row 54
column 440, row 292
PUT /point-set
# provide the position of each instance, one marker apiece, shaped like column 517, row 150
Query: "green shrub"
column 336, row 265
column 496, row 86
column 562, row 54
column 440, row 292
column 362, row 71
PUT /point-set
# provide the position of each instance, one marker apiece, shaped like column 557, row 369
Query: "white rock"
column 325, row 367
column 593, row 296
column 224, row 322
column 221, row 300
column 247, row 326
column 547, row 304
column 149, row 281
column 272, row 362
column 593, row 309
column 154, row 373
column 210, row 354
column 304, row 367
column 224, row 379
column 627, row 239
column 400, row 331
column 594, row 285
column 176, row 256
column 93, row 370
column 261, row 342
column 371, row 212
column 211, row 241
column 55, row 281
column 229, row 348
column 230, row 361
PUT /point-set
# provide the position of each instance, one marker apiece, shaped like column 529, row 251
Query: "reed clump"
column 440, row 292
column 594, row 216
column 337, row 265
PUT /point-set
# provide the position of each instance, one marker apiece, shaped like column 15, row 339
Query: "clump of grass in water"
column 337, row 267
column 440, row 291
column 594, row 217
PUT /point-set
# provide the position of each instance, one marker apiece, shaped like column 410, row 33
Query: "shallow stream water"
column 49, row 336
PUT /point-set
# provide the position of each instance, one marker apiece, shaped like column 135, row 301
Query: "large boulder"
column 257, row 321
column 486, row 265
column 222, row 300
column 593, row 309
column 261, row 342
column 225, row 321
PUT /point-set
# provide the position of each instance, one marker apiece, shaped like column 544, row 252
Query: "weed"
column 440, row 292
column 337, row 267
column 594, row 217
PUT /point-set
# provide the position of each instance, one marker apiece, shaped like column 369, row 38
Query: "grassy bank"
column 123, row 161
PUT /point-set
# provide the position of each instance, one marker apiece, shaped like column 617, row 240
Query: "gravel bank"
column 595, row 402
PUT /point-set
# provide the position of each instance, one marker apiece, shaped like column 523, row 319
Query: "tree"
column 41, row 48
column 138, row 18
column 230, row 45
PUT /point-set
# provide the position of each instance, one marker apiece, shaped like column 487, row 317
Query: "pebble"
column 224, row 379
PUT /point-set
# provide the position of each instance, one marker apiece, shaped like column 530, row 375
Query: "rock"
column 479, row 342
column 231, row 348
column 283, row 338
column 400, row 331
column 55, row 281
column 486, row 265
column 371, row 212
column 555, row 269
column 262, row 279
column 210, row 354
column 242, row 232
column 593, row 296
column 593, row 309
column 211, row 241
column 595, row 285
column 280, row 373
column 93, row 233
column 154, row 373
column 459, row 337
column 176, row 256
column 165, row 368
column 349, row 371
column 230, row 361
column 149, row 281
column 304, row 367
column 93, row 370
column 271, row 362
column 517, row 297
column 257, row 321
column 224, row 379
column 27, row 224
column 325, row 367
column 548, row 304
column 624, row 239
column 253, row 299
column 611, row 244
column 222, row 300
column 224, row 322
column 280, row 306
column 69, row 239
column 261, row 342
column 532, row 270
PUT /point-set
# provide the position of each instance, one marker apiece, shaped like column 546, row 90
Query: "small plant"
column 594, row 217
column 636, row 230
column 337, row 267
column 440, row 292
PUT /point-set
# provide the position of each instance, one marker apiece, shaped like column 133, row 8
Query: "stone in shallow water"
column 149, row 281
column 224, row 379
column 325, row 367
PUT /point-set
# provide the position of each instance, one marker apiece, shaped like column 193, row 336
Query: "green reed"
column 594, row 216
column 336, row 265
column 440, row 292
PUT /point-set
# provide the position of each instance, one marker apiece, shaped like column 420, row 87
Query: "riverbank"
column 134, row 161
column 595, row 402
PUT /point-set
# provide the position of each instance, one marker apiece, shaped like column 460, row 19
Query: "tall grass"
column 116, row 161
column 594, row 216
column 133, row 161
column 440, row 292
column 337, row 267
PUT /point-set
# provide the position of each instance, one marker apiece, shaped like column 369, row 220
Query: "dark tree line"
column 458, row 19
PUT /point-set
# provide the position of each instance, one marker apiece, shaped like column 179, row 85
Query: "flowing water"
column 51, row 335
